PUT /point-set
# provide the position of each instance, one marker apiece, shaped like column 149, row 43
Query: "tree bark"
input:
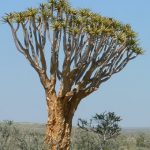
column 59, row 124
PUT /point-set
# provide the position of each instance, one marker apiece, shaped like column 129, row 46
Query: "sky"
column 127, row 93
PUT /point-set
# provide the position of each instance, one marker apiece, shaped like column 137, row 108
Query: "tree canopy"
column 86, row 49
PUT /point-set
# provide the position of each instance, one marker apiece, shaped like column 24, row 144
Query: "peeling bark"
column 59, row 122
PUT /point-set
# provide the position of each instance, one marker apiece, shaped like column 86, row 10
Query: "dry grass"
column 23, row 136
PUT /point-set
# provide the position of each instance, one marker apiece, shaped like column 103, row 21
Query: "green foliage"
column 105, row 125
column 59, row 15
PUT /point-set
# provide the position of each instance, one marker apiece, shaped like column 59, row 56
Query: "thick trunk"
column 59, row 123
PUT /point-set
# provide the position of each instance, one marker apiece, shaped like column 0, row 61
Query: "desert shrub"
column 84, row 140
column 14, row 136
column 11, row 138
column 143, row 141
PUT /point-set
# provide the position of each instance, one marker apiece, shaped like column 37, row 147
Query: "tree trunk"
column 59, row 123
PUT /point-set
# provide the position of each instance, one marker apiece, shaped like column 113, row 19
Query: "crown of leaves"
column 73, row 20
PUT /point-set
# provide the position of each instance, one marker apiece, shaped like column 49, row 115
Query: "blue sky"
column 126, row 93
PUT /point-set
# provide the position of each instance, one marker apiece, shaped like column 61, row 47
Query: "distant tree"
column 105, row 125
column 84, row 50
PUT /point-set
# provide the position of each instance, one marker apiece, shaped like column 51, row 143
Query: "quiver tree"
column 77, row 49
